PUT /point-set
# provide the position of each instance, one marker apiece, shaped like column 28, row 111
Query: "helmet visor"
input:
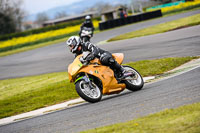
column 73, row 45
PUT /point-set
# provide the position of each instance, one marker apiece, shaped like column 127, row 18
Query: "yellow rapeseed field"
column 182, row 5
column 35, row 37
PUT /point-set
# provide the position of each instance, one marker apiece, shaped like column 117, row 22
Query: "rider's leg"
column 107, row 60
column 120, row 72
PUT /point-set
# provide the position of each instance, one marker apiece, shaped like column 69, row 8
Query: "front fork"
column 86, row 79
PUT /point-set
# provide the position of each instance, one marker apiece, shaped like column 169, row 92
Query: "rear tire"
column 91, row 94
column 133, row 84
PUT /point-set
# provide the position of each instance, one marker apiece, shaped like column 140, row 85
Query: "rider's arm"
column 92, row 48
column 83, row 25
column 92, row 29
column 92, row 26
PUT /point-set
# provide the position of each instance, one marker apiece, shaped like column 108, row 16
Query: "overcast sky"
column 35, row 6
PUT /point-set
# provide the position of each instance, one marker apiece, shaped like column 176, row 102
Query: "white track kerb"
column 182, row 69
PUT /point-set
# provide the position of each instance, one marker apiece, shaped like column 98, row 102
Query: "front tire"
column 133, row 83
column 91, row 93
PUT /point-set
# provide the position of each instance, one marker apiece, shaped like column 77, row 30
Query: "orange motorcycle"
column 92, row 80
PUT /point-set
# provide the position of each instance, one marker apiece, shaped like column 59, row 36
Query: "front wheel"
column 133, row 83
column 88, row 91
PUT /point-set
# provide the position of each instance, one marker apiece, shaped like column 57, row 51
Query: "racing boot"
column 122, row 72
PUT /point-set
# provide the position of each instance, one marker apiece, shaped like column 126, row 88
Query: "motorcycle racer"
column 78, row 47
column 88, row 24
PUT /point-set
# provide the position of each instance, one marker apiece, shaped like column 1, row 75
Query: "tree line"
column 11, row 16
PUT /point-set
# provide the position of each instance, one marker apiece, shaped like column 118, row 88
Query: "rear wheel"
column 89, row 92
column 135, row 82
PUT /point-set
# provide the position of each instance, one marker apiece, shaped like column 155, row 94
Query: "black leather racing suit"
column 87, row 25
column 104, row 56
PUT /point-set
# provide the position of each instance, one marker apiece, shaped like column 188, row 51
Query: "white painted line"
column 148, row 78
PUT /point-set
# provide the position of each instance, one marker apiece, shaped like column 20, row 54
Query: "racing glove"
column 87, row 59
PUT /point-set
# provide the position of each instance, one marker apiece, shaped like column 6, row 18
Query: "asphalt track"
column 170, row 93
column 56, row 58
column 154, row 97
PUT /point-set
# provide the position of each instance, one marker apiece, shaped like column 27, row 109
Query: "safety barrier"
column 130, row 19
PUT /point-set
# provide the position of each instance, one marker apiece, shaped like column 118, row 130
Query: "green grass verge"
column 164, row 27
column 185, row 119
column 29, row 93
column 158, row 66
column 31, row 47
column 37, row 44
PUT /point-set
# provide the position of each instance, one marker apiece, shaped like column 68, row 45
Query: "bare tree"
column 100, row 7
column 41, row 18
column 11, row 16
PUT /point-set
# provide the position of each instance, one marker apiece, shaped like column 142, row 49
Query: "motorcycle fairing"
column 104, row 73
